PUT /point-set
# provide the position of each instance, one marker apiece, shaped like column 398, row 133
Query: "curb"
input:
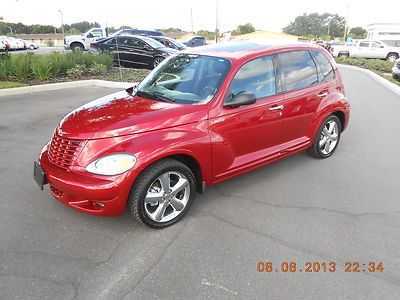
column 64, row 85
column 386, row 83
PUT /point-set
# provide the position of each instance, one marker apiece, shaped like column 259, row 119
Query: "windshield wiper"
column 163, row 98
column 155, row 96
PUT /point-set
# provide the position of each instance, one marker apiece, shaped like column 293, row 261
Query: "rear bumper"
column 86, row 192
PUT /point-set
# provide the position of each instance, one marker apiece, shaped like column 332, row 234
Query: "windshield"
column 185, row 78
column 153, row 43
column 179, row 44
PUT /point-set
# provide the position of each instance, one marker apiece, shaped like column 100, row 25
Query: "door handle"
column 323, row 94
column 278, row 107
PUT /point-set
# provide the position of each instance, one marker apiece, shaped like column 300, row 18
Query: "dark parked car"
column 138, row 32
column 196, row 41
column 170, row 42
column 132, row 51
column 396, row 69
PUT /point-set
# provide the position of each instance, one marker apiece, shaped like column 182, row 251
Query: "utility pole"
column 191, row 19
column 62, row 22
column 216, row 24
column 329, row 25
column 347, row 23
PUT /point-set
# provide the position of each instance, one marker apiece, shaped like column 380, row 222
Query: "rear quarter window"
column 297, row 69
column 325, row 69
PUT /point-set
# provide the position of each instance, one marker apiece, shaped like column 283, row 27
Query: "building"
column 389, row 33
column 44, row 40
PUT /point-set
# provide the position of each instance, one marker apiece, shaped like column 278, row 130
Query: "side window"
column 97, row 33
column 325, row 69
column 256, row 76
column 122, row 41
column 376, row 45
column 364, row 44
column 298, row 69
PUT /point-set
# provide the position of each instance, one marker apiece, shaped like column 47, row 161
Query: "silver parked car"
column 396, row 69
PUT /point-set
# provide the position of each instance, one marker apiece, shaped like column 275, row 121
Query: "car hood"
column 122, row 114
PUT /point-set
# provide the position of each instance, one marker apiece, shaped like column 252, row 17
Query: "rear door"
column 363, row 50
column 378, row 50
column 303, row 93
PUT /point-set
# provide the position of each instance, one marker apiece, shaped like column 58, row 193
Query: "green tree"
column 209, row 35
column 317, row 25
column 170, row 30
column 358, row 33
column 243, row 29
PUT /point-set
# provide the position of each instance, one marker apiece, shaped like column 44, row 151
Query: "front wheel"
column 162, row 194
column 343, row 54
column 327, row 138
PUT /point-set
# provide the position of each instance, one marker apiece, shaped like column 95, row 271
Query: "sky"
column 153, row 14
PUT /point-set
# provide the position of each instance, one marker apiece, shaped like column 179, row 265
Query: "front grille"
column 62, row 151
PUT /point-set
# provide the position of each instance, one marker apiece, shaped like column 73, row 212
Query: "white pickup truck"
column 82, row 42
column 367, row 49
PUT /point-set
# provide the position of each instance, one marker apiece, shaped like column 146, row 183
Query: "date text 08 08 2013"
column 320, row 267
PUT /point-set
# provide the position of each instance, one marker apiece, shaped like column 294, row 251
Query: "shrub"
column 371, row 64
column 49, row 66
column 77, row 71
column 43, row 68
column 21, row 66
column 97, row 69
column 5, row 66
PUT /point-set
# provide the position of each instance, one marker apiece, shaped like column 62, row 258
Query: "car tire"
column 396, row 77
column 77, row 47
column 162, row 193
column 32, row 47
column 327, row 138
column 157, row 60
column 343, row 54
column 392, row 57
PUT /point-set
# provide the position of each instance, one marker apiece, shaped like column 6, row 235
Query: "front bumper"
column 86, row 192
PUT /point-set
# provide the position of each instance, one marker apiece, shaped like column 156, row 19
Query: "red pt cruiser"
column 201, row 117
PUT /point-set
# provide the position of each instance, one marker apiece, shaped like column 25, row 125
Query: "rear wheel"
column 327, row 138
column 162, row 194
column 392, row 57
column 157, row 61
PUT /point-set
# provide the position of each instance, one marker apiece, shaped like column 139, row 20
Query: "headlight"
column 113, row 164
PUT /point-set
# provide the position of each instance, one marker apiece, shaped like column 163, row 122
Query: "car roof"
column 238, row 50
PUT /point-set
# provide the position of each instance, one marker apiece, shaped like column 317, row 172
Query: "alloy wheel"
column 167, row 196
column 329, row 137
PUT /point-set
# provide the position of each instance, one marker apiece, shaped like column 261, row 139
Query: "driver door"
column 243, row 137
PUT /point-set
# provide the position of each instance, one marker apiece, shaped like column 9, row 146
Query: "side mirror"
column 382, row 46
column 242, row 98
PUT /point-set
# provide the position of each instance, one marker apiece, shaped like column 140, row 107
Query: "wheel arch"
column 341, row 117
column 186, row 158
column 77, row 43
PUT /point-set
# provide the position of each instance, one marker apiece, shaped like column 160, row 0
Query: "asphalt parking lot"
column 342, row 209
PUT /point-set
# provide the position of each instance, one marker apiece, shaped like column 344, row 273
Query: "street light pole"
column 216, row 24
column 9, row 27
column 62, row 22
column 191, row 19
